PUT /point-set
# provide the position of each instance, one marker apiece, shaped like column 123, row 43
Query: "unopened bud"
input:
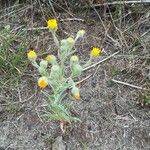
column 74, row 59
column 76, row 93
column 51, row 59
column 70, row 41
column 67, row 45
column 80, row 33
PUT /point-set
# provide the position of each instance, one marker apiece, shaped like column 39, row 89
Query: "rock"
column 58, row 144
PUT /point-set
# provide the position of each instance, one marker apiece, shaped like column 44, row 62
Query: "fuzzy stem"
column 34, row 63
column 56, row 41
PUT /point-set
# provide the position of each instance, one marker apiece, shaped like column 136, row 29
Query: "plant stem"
column 35, row 64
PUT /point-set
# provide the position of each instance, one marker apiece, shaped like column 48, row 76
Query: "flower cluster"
column 55, row 78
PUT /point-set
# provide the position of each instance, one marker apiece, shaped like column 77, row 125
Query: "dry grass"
column 111, row 117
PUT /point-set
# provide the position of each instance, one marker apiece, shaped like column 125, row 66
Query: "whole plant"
column 52, row 74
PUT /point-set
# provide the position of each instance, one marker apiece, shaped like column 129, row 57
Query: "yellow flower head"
column 95, row 52
column 52, row 24
column 76, row 93
column 32, row 55
column 51, row 59
column 42, row 82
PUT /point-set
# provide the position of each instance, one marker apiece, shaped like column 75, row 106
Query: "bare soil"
column 111, row 117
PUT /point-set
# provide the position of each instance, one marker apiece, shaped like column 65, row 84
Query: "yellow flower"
column 95, row 52
column 76, row 93
column 32, row 55
column 42, row 82
column 52, row 24
column 51, row 59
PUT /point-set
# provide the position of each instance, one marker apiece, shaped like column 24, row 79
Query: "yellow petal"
column 95, row 52
column 77, row 96
column 31, row 55
column 42, row 82
column 76, row 93
column 52, row 24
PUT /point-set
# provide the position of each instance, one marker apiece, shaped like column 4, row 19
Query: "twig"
column 127, row 84
column 119, row 2
column 26, row 100
column 39, row 115
column 72, row 19
column 38, row 28
column 84, row 79
column 19, row 95
column 89, row 67
column 105, row 29
column 145, row 33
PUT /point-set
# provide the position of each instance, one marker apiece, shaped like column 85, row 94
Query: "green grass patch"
column 13, row 59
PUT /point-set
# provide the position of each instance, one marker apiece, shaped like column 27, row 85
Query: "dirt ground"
column 111, row 110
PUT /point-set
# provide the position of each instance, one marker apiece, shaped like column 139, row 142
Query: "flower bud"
column 74, row 59
column 70, row 41
column 80, row 33
column 43, row 64
column 31, row 55
column 52, row 25
column 76, row 93
column 42, row 82
column 51, row 59
column 67, row 45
